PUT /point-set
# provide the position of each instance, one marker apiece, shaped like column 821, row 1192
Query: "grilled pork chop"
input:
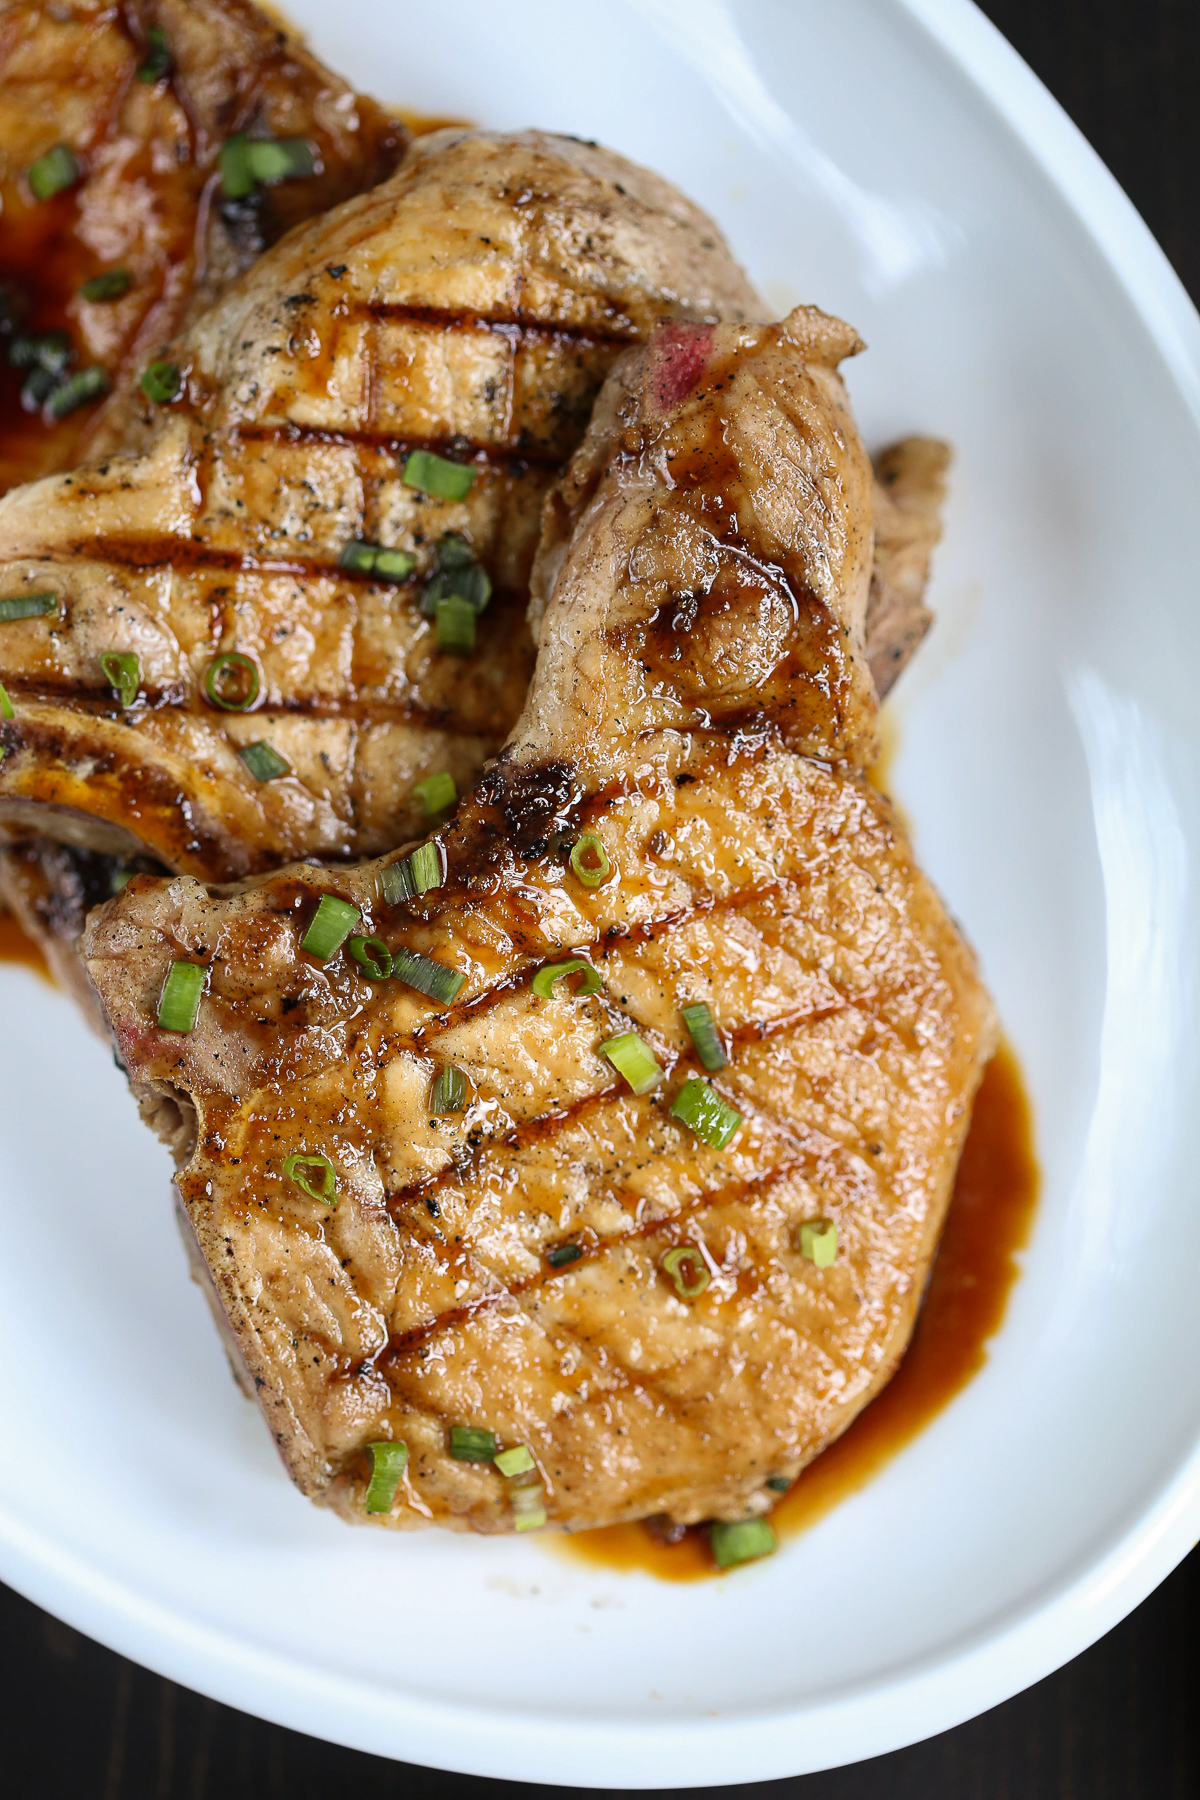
column 143, row 95
column 475, row 1208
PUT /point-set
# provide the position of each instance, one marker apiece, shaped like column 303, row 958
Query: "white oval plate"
column 896, row 163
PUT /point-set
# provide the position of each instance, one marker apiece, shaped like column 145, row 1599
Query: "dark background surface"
column 1120, row 1723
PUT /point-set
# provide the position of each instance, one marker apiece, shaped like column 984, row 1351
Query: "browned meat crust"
column 702, row 704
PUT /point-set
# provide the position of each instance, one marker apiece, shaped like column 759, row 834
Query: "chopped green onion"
column 6, row 705
column 362, row 558
column 51, row 173
column 470, row 582
column 456, row 627
column 702, row 1030
column 437, row 792
column 180, row 1001
column 37, row 388
column 438, row 476
column 162, row 382
column 449, row 1091
column 699, row 1106
column 41, row 349
column 740, row 1541
column 330, row 926
column 77, row 390
column 123, row 672
column 529, row 1508
column 27, row 606
column 264, row 761
column 425, row 866
column 517, row 1461
column 431, row 978
column 633, row 1058
column 559, row 1255
column 543, row 982
column 236, row 178
column 394, row 565
column 589, row 861
column 158, row 61
column 388, row 1463
column 109, row 286
column 395, row 878
column 468, row 1443
column 372, row 956
column 120, row 879
column 453, row 552
column 232, row 681
column 818, row 1242
column 779, row 1484
column 313, row 1174
column 688, row 1272
column 280, row 159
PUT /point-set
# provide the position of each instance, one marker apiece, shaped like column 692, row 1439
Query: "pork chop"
column 651, row 1260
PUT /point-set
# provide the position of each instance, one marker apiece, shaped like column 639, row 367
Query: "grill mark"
column 517, row 328
column 94, row 704
column 672, row 1230
column 498, row 457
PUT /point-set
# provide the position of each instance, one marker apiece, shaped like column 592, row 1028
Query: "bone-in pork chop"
column 653, row 1259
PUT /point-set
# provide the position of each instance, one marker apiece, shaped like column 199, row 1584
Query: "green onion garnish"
column 109, row 286
column 633, row 1058
column 280, row 159
column 232, row 681
column 425, row 867
column 120, row 879
column 818, row 1241
column 372, row 956
column 454, row 552
column 396, row 880
column 529, row 1508
column 180, row 1001
column 543, row 982
column 437, row 792
column 77, row 390
column 699, row 1106
column 6, row 705
column 234, row 164
column 123, row 672
column 388, row 1462
column 51, row 173
column 362, row 558
column 702, row 1030
column 779, row 1484
column 313, row 1174
column 37, row 388
column 162, row 382
column 431, row 978
column 264, row 761
column 517, row 1461
column 27, row 606
column 330, row 926
column 456, row 627
column 158, row 61
column 468, row 1443
column 589, row 861
column 449, row 1093
column 438, row 476
column 559, row 1255
column 50, row 350
column 740, row 1541
column 688, row 1272
column 459, row 576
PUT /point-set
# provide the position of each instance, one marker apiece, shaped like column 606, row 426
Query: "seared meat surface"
column 147, row 198
column 468, row 307
column 493, row 1238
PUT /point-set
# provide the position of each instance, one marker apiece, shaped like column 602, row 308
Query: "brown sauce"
column 16, row 946
column 988, row 1223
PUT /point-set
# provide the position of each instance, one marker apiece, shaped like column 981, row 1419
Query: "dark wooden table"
column 1120, row 1723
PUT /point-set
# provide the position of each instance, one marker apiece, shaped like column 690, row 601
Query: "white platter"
column 896, row 163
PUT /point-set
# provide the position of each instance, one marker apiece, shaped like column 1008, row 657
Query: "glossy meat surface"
column 147, row 199
column 471, row 305
column 702, row 704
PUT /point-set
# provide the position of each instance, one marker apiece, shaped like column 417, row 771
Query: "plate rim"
column 933, row 1694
